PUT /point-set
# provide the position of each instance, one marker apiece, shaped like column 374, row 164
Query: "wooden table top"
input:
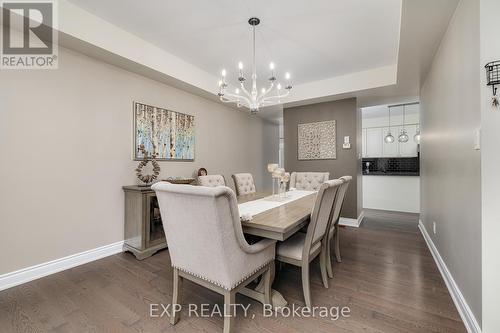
column 281, row 222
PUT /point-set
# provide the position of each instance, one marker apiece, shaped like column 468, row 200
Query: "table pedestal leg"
column 257, row 294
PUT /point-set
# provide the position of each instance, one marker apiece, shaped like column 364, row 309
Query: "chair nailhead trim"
column 220, row 284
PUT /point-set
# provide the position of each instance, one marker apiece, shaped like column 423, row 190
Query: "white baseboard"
column 463, row 308
column 355, row 223
column 24, row 275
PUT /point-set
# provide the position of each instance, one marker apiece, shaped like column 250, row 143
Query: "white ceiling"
column 379, row 111
column 314, row 40
column 376, row 51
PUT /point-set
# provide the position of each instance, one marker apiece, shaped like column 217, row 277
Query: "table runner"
column 251, row 208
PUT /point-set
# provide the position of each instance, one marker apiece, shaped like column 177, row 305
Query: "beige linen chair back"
column 334, row 231
column 243, row 183
column 309, row 181
column 339, row 201
column 314, row 242
column 321, row 213
column 189, row 215
column 211, row 180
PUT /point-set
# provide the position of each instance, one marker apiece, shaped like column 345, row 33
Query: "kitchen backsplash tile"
column 392, row 165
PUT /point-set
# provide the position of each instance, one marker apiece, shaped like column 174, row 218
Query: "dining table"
column 276, row 217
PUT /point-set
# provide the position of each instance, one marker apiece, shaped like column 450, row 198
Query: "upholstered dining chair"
column 309, row 181
column 334, row 232
column 243, row 183
column 223, row 262
column 211, row 180
column 300, row 249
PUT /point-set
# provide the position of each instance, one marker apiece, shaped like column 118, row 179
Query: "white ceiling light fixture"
column 253, row 99
column 389, row 138
column 416, row 137
column 403, row 137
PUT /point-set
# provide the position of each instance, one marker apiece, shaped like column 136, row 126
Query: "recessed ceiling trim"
column 84, row 26
column 369, row 79
column 91, row 29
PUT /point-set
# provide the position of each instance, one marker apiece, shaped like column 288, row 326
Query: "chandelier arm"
column 245, row 99
column 239, row 103
column 243, row 88
column 229, row 97
column 276, row 96
column 264, row 94
column 226, row 100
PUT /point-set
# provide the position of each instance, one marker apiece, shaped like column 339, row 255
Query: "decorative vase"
column 284, row 179
column 271, row 167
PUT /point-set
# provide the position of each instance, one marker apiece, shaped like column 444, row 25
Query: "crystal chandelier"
column 254, row 99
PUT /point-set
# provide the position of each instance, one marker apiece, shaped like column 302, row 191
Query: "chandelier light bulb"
column 279, row 86
column 263, row 90
column 287, row 76
column 220, row 83
column 240, row 65
column 271, row 66
column 223, row 73
column 237, row 91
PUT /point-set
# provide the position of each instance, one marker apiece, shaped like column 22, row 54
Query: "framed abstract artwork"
column 168, row 134
column 317, row 141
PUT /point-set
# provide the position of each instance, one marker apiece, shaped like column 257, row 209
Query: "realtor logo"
column 29, row 38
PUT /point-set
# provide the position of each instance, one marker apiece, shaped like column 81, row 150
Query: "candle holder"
column 272, row 167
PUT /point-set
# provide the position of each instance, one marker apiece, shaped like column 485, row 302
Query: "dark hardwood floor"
column 387, row 278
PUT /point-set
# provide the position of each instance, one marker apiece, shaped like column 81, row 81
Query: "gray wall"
column 345, row 113
column 66, row 139
column 270, row 140
column 450, row 168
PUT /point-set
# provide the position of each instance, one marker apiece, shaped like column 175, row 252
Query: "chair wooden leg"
column 323, row 265
column 229, row 301
column 306, row 285
column 329, row 268
column 337, row 244
column 176, row 297
column 267, row 286
column 280, row 266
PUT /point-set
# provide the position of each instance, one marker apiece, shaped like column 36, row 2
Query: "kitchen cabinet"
column 363, row 142
column 374, row 145
column 400, row 193
column 374, row 140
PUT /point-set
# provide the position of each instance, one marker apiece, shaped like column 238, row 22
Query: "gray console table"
column 144, row 234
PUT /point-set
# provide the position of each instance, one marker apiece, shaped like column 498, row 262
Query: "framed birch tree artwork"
column 166, row 134
column 317, row 141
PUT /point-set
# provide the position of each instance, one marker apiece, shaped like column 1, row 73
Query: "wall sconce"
column 493, row 79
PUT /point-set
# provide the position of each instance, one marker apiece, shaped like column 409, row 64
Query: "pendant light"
column 416, row 137
column 403, row 137
column 389, row 138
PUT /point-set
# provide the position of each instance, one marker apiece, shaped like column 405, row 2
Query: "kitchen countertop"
column 389, row 173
